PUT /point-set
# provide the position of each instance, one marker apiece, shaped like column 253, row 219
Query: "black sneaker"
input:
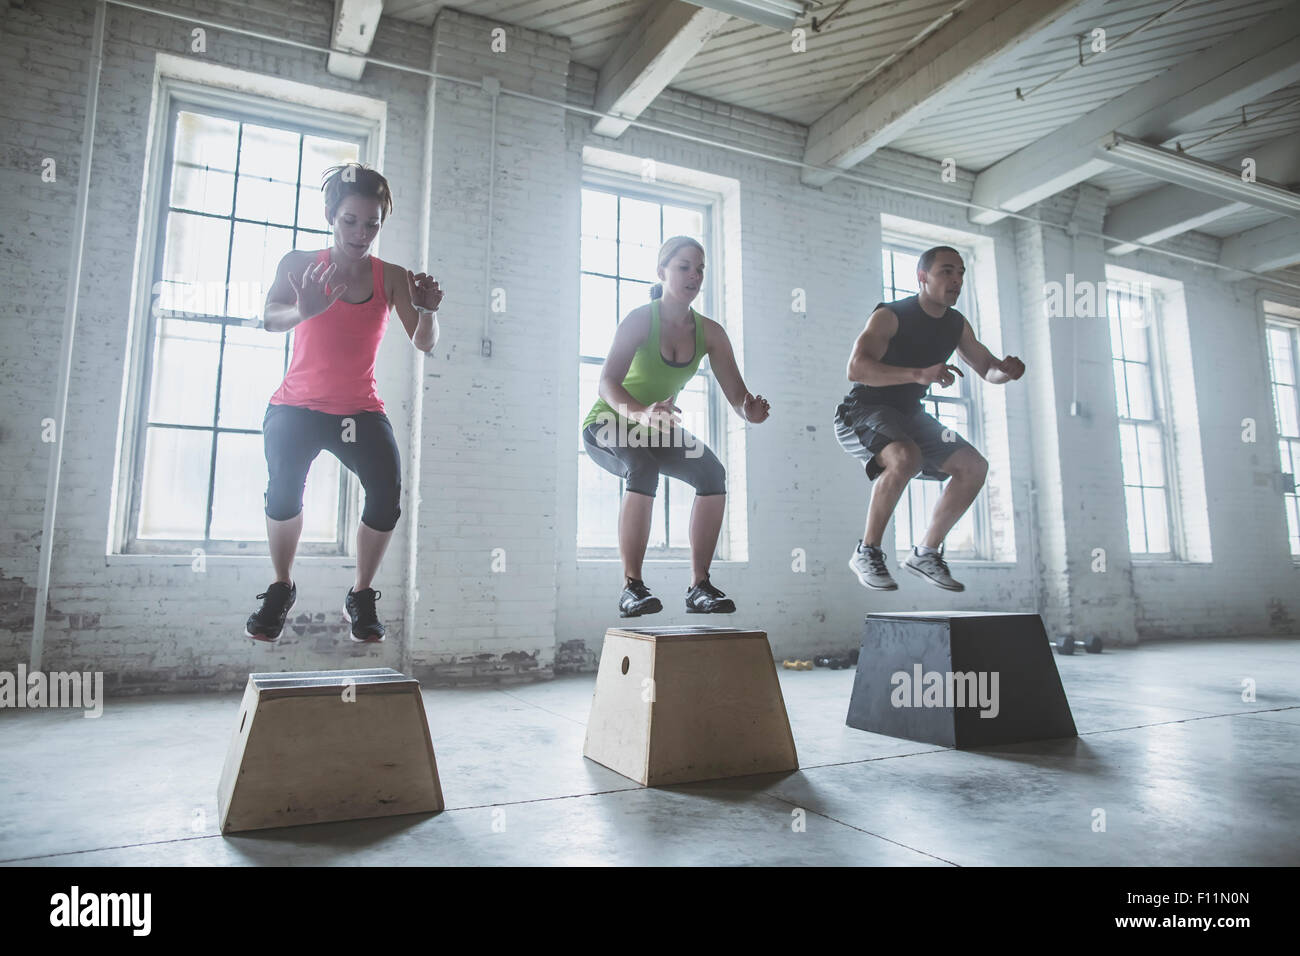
column 359, row 606
column 636, row 600
column 704, row 598
column 266, row 623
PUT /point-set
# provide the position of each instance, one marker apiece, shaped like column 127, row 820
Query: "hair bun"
column 657, row 291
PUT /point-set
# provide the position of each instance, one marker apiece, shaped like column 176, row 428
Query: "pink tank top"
column 333, row 365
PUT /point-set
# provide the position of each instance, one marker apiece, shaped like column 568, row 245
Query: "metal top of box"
column 946, row 615
column 684, row 632
column 327, row 679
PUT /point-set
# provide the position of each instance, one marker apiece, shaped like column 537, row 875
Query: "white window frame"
column 912, row 245
column 710, row 204
column 173, row 95
column 1275, row 319
column 1161, row 406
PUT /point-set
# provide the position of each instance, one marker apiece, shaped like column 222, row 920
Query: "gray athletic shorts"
column 685, row 457
column 864, row 430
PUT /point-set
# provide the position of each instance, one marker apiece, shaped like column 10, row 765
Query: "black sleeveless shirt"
column 921, row 341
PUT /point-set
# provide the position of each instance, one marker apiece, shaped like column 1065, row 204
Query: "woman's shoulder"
column 639, row 318
column 713, row 331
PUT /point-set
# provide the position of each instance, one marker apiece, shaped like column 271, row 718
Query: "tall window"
column 1144, row 440
column 1283, row 350
column 239, row 195
column 953, row 406
column 622, row 230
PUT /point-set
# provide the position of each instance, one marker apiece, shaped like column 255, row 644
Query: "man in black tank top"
column 904, row 350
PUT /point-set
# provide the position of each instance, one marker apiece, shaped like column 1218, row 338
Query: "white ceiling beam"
column 1171, row 210
column 1207, row 85
column 355, row 22
column 1263, row 249
column 929, row 76
column 645, row 62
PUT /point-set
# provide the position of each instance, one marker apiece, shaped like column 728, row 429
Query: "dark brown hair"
column 355, row 179
column 927, row 257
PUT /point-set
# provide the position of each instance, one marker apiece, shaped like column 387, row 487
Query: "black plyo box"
column 1029, row 703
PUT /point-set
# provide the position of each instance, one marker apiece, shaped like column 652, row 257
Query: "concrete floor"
column 1186, row 772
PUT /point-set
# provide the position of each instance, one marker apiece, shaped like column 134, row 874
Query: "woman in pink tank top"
column 335, row 303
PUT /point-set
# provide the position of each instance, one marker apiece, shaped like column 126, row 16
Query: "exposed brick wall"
column 498, row 432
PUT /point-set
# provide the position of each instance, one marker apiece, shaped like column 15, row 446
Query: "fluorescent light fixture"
column 781, row 14
column 1197, row 174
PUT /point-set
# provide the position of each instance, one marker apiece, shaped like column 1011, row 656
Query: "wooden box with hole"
column 316, row 746
column 676, row 704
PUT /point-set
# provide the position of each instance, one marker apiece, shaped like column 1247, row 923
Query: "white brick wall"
column 498, row 433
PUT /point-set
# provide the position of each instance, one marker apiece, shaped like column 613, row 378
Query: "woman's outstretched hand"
column 310, row 289
column 757, row 409
column 424, row 290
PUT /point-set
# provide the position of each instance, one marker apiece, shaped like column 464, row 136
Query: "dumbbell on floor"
column 1066, row 645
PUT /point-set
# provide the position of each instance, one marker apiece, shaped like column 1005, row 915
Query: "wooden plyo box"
column 676, row 704
column 315, row 746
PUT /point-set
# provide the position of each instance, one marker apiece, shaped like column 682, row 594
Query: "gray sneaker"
column 868, row 564
column 934, row 568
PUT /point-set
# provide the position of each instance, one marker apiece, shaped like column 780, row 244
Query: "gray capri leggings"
column 683, row 457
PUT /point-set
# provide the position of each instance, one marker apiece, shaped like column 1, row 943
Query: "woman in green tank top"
column 634, row 429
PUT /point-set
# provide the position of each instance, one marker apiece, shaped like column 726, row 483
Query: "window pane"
column 599, row 255
column 961, row 539
column 905, row 273
column 238, row 506
column 194, row 264
column 679, row 221
column 1285, row 453
column 1293, row 522
column 597, row 506
column 254, row 255
column 588, row 383
column 1135, row 338
column 1279, row 348
column 1139, row 391
column 313, row 241
column 599, row 316
column 631, row 295
column 1137, row 539
column 268, row 199
column 599, row 214
column 1285, row 398
column 320, row 518
column 638, row 261
column 203, row 175
column 639, row 225
column 1129, row 455
column 1116, row 339
column 657, row 523
column 1121, row 393
column 185, row 374
column 174, row 495
column 1152, row 453
column 318, row 155
column 1157, row 515
column 681, row 498
column 251, row 369
column 694, row 402
column 268, row 152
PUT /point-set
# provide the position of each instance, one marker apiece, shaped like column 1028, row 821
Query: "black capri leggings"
column 684, row 457
column 294, row 436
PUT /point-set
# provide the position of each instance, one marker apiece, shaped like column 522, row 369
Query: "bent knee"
column 902, row 457
column 969, row 467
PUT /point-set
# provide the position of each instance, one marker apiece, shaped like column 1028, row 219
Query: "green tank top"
column 649, row 378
